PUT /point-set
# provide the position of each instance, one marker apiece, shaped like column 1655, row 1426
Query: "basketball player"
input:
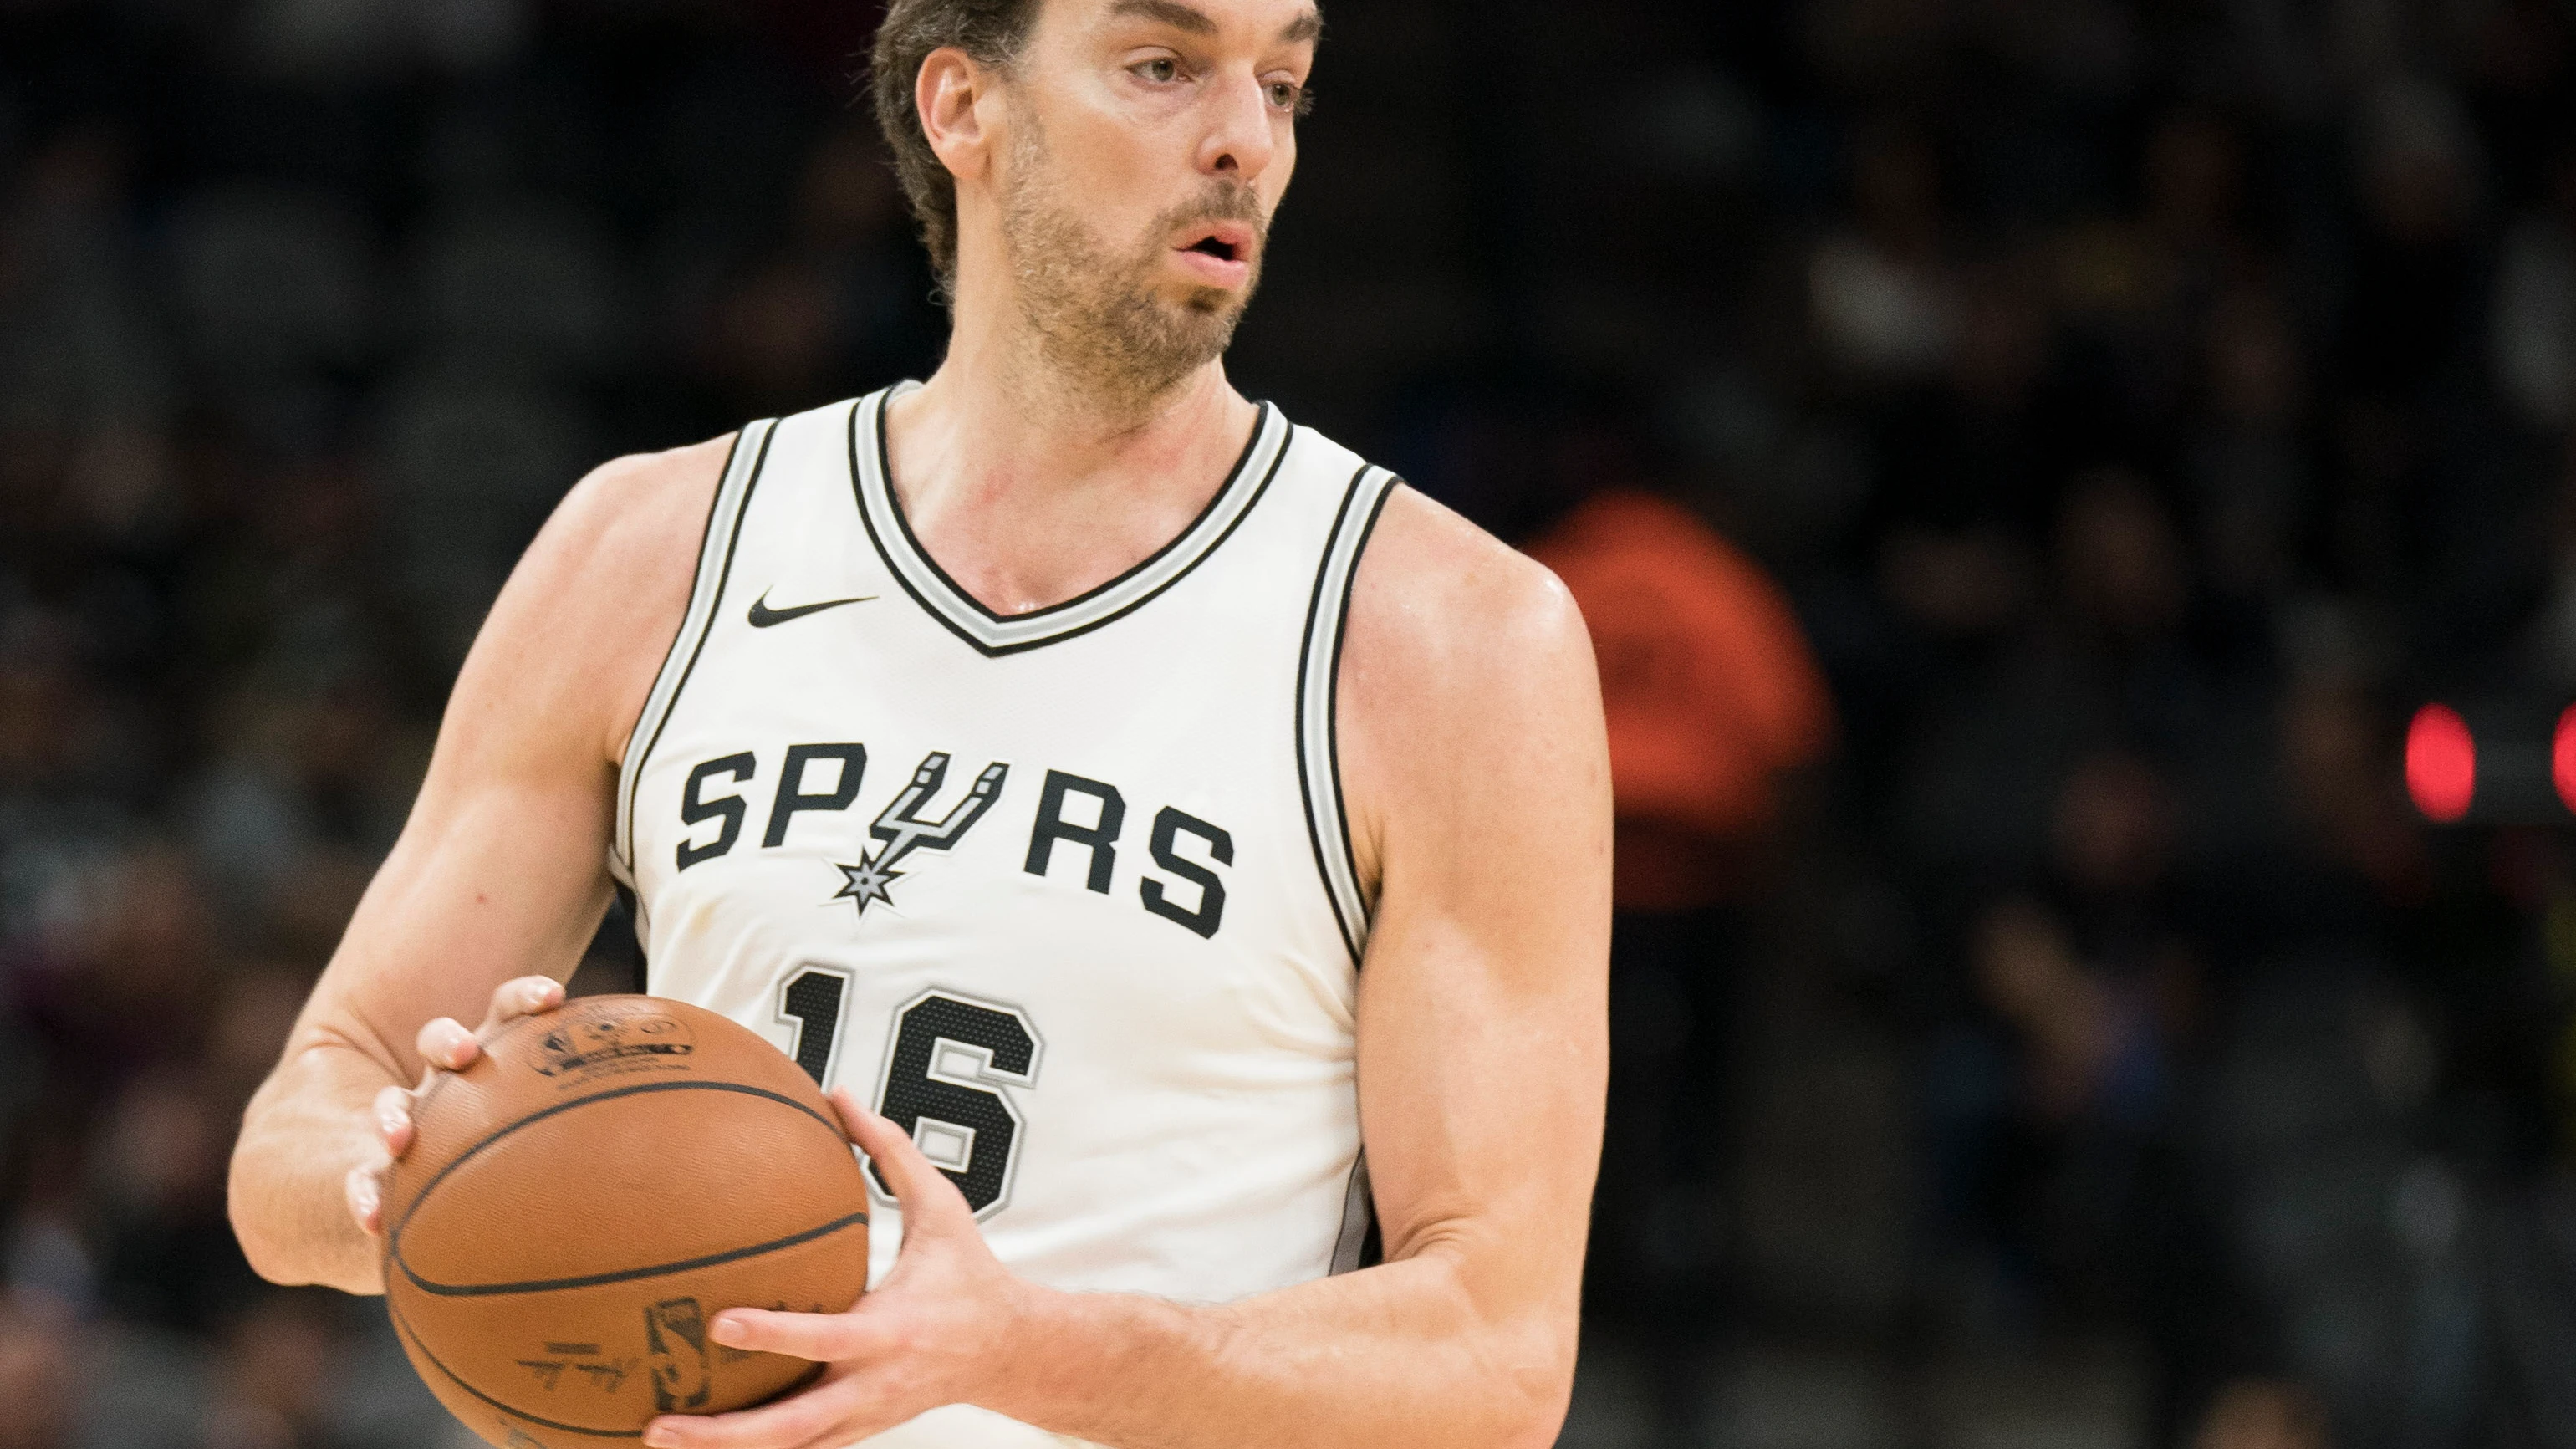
column 1127, row 802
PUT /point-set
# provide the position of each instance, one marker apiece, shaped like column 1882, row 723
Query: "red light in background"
column 2442, row 762
column 2562, row 757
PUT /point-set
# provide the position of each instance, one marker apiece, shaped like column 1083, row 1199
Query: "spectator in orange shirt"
column 1707, row 685
column 1710, row 694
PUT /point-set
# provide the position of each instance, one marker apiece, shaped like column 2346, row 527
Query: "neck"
column 1016, row 381
column 1005, row 413
column 1031, row 486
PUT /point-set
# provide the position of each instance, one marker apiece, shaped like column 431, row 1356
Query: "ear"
column 947, row 94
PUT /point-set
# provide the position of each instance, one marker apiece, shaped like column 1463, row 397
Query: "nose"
column 1238, row 144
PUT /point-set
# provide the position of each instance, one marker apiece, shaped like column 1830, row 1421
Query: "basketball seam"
column 393, row 1240
column 404, row 1326
column 628, row 1275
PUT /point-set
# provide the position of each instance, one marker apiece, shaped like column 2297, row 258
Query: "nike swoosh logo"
column 765, row 617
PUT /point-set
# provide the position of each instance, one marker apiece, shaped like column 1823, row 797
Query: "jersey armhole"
column 706, row 592
column 1362, row 1242
column 1319, row 766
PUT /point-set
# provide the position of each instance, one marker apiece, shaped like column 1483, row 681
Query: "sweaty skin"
column 1472, row 755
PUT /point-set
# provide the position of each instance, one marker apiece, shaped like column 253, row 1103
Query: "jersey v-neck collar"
column 992, row 634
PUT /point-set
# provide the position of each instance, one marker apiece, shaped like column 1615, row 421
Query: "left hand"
column 937, row 1331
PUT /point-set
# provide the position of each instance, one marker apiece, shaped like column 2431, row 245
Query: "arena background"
column 2025, row 460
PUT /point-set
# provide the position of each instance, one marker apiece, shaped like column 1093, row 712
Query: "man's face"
column 1148, row 143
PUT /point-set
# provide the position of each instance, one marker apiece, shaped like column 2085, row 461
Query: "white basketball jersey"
column 1068, row 894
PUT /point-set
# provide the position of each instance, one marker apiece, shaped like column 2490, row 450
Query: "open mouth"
column 1223, row 241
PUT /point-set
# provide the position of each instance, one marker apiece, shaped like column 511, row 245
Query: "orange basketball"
column 579, row 1203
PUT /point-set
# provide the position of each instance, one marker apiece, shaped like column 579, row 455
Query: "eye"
column 1290, row 97
column 1161, row 70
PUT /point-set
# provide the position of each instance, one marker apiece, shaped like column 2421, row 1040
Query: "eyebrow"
column 1167, row 12
column 1308, row 26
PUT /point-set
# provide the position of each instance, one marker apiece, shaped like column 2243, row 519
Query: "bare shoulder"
column 580, row 630
column 1460, row 652
column 1434, row 587
column 644, row 511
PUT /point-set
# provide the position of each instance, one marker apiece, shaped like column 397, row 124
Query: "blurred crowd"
column 308, row 312
column 2144, row 406
column 2022, row 460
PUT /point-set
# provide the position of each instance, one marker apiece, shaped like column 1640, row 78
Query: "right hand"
column 446, row 1046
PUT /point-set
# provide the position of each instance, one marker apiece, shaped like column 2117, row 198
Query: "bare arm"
column 1472, row 743
column 1482, row 1045
column 499, row 873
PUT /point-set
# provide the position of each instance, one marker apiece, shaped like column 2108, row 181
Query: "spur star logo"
column 901, row 829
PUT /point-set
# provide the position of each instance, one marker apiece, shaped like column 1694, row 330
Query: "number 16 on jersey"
column 949, row 1066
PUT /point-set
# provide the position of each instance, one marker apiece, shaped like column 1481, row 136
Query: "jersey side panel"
column 706, row 588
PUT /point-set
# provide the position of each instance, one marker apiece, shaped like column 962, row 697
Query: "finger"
column 828, row 1408
column 822, row 1337
column 393, row 1121
column 525, row 996
column 447, row 1045
column 837, row 1412
column 366, row 1193
column 928, row 1199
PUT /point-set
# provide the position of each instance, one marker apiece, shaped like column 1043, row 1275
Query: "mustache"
column 1222, row 201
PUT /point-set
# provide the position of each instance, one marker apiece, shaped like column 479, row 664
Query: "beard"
column 1101, row 320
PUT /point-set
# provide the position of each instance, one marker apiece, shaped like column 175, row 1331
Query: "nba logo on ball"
column 598, row 1038
column 675, row 1333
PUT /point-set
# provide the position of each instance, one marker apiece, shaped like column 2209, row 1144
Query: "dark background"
column 2143, row 403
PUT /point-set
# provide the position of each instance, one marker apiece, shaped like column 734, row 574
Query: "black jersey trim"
column 975, row 629
column 1362, row 1243
column 623, row 848
column 1305, row 669
column 1327, row 615
column 715, row 610
column 1333, row 690
column 912, row 542
column 643, row 949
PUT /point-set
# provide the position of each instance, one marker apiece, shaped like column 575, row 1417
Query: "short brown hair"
column 989, row 31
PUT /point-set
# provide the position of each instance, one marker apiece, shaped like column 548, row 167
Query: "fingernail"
column 657, row 1437
column 727, row 1331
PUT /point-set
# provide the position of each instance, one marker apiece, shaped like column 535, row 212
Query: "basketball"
column 587, row 1195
